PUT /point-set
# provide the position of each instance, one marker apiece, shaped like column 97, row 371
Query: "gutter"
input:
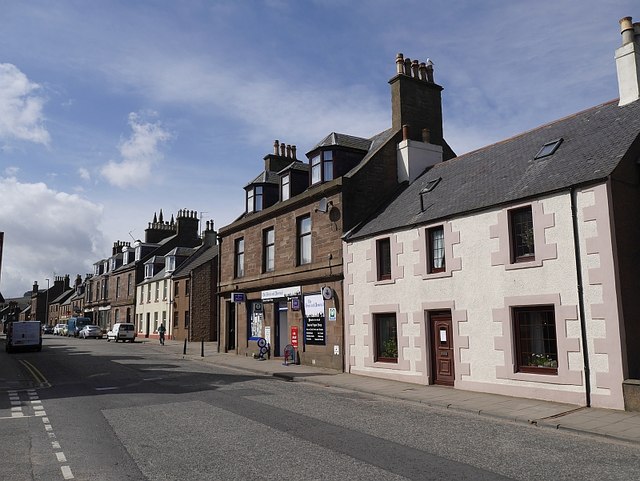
column 583, row 322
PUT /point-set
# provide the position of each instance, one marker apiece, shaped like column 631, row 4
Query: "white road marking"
column 38, row 408
column 40, row 413
column 47, row 427
column 61, row 457
column 17, row 415
column 66, row 472
column 13, row 410
column 36, row 402
column 55, row 444
column 52, row 435
column 107, row 388
column 15, row 403
column 46, row 420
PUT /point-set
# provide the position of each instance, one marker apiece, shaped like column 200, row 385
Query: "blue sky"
column 112, row 110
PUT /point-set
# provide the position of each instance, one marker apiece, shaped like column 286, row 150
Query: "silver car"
column 90, row 331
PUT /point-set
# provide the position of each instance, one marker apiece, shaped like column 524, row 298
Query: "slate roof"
column 594, row 141
column 265, row 177
column 200, row 257
column 343, row 140
column 296, row 165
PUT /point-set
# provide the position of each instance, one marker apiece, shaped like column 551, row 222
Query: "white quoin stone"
column 628, row 68
column 414, row 157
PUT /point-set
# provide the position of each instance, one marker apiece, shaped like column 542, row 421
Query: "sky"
column 113, row 110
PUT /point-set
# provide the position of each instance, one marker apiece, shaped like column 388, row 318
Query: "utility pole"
column 46, row 322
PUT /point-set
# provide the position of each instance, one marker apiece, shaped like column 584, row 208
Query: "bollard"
column 184, row 351
column 202, row 348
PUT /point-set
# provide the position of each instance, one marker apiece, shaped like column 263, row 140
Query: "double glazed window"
column 239, row 258
column 268, row 250
column 304, row 240
column 383, row 254
column 386, row 332
column 522, row 241
column 255, row 199
column 322, row 167
column 536, row 344
column 285, row 191
column 435, row 249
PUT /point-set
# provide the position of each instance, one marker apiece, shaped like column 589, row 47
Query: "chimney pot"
column 288, row 151
column 405, row 132
column 283, row 148
column 293, row 152
column 426, row 136
column 423, row 71
column 407, row 66
column 626, row 29
column 400, row 64
column 276, row 145
column 414, row 69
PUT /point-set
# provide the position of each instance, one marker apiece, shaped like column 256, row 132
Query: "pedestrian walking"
column 161, row 331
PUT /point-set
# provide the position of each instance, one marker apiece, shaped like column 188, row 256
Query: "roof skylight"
column 549, row 148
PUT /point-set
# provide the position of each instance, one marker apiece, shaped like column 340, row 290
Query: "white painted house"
column 512, row 269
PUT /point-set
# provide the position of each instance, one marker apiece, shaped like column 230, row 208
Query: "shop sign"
column 294, row 336
column 314, row 325
column 333, row 313
column 285, row 292
column 237, row 297
column 314, row 331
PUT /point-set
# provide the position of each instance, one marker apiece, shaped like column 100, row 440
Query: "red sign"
column 294, row 336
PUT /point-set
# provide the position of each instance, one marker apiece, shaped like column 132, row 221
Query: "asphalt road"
column 92, row 410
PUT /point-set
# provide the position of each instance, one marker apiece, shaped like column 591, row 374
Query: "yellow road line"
column 35, row 373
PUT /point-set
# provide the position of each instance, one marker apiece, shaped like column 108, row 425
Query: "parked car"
column 58, row 328
column 122, row 331
column 47, row 329
column 75, row 325
column 90, row 330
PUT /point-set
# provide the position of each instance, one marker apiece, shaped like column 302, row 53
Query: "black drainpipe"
column 583, row 324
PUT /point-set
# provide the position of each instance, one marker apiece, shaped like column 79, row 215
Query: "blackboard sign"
column 314, row 331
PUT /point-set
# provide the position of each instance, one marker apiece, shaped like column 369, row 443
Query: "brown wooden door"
column 442, row 348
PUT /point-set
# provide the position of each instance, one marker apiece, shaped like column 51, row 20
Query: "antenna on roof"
column 134, row 239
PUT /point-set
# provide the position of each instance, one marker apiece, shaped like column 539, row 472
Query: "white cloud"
column 11, row 171
column 139, row 153
column 46, row 232
column 21, row 115
column 84, row 174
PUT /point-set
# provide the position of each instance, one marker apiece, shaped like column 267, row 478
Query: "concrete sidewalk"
column 612, row 424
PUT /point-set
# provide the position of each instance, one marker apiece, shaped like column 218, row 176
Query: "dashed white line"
column 66, row 472
column 106, row 388
column 61, row 457
column 47, row 427
column 55, row 444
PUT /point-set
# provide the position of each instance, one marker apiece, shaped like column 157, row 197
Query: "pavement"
column 612, row 424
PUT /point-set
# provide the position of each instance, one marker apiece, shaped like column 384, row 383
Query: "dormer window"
column 105, row 267
column 285, row 191
column 322, row 167
column 170, row 264
column 138, row 253
column 113, row 263
column 255, row 199
column 96, row 269
column 148, row 271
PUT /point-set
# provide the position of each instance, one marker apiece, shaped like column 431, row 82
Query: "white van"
column 122, row 331
column 24, row 335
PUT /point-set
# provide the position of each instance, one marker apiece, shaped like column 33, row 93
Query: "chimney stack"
column 628, row 62
column 416, row 99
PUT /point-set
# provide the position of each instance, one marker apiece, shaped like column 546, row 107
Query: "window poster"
column 314, row 321
column 256, row 319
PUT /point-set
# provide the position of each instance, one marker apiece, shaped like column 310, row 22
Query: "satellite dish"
column 323, row 205
column 327, row 293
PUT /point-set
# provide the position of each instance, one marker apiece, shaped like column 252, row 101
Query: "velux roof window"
column 549, row 148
